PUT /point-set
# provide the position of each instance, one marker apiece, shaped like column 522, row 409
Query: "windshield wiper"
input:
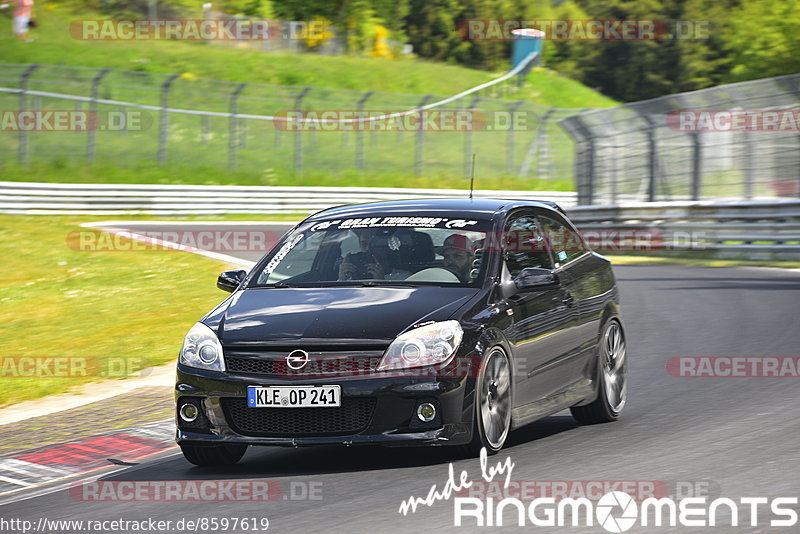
column 356, row 283
column 392, row 283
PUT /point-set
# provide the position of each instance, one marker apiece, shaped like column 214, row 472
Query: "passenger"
column 377, row 258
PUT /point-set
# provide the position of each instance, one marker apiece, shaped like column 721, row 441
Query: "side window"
column 565, row 243
column 524, row 245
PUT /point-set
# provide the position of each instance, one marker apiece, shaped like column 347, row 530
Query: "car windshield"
column 379, row 250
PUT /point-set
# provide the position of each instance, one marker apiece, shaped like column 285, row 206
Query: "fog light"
column 189, row 412
column 426, row 412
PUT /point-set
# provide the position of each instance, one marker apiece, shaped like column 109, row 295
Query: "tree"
column 763, row 39
column 359, row 23
column 430, row 26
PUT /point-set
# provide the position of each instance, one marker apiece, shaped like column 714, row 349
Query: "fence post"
column 204, row 129
column 163, row 127
column 697, row 165
column 298, row 140
column 23, row 104
column 420, row 140
column 468, row 139
column 91, row 139
column 651, row 156
column 582, row 136
column 359, row 130
column 242, row 133
column 589, row 186
column 278, row 140
column 749, row 160
column 510, row 136
column 233, row 125
column 651, row 165
column 123, row 111
column 537, row 146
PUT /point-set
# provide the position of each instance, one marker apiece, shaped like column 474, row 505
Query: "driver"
column 458, row 253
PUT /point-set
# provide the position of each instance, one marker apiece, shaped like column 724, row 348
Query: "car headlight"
column 427, row 345
column 202, row 349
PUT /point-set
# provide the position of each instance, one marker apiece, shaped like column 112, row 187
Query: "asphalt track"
column 732, row 437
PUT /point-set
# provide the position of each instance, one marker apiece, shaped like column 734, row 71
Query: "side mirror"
column 536, row 278
column 229, row 280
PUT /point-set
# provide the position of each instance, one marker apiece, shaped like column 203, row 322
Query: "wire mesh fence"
column 738, row 141
column 173, row 119
column 639, row 151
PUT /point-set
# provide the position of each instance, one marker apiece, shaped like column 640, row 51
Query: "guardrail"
column 755, row 230
column 35, row 198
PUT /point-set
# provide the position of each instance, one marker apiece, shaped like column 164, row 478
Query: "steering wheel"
column 454, row 271
column 435, row 274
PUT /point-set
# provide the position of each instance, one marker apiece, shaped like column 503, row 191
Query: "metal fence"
column 219, row 125
column 637, row 152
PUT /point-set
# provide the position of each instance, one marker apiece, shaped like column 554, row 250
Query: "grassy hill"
column 266, row 157
column 55, row 45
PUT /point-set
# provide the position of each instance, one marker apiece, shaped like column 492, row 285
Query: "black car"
column 420, row 322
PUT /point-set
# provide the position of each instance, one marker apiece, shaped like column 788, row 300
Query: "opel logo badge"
column 297, row 359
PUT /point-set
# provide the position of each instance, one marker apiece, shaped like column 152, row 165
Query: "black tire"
column 479, row 435
column 214, row 455
column 602, row 409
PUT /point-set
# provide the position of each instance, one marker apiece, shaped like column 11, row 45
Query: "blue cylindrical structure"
column 526, row 41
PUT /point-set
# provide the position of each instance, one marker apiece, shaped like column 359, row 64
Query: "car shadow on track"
column 281, row 461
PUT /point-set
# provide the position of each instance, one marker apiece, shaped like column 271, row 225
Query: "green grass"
column 58, row 302
column 209, row 175
column 55, row 45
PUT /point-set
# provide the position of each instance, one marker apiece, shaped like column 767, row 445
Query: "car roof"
column 458, row 207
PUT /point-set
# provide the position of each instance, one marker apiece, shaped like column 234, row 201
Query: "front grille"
column 351, row 417
column 319, row 364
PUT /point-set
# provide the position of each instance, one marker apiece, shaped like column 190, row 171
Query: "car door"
column 573, row 265
column 539, row 316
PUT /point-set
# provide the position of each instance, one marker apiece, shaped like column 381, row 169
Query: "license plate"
column 294, row 396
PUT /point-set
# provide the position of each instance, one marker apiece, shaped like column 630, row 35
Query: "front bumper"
column 392, row 421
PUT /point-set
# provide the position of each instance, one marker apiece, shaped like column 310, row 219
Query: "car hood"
column 357, row 315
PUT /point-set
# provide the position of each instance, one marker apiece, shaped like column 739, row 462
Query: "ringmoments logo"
column 615, row 510
column 618, row 511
